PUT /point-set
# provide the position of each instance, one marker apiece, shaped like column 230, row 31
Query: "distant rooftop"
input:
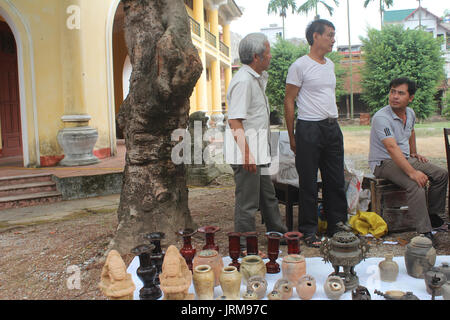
column 397, row 15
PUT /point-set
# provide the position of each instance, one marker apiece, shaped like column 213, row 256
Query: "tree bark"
column 166, row 66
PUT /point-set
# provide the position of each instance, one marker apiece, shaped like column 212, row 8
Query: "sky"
column 255, row 17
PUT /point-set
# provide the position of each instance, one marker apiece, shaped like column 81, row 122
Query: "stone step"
column 14, row 180
column 27, row 188
column 26, row 200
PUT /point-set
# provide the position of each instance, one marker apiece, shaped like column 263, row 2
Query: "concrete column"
column 198, row 16
column 216, row 87
column 226, row 34
column 202, row 102
column 214, row 23
column 228, row 76
column 77, row 139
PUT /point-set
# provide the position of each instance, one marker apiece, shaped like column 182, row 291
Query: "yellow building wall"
column 68, row 68
column 66, row 71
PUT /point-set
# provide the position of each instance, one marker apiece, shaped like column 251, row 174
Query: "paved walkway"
column 63, row 209
column 111, row 164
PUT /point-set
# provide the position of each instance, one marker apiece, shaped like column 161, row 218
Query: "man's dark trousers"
column 320, row 145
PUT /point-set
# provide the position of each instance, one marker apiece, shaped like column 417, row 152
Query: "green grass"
column 422, row 129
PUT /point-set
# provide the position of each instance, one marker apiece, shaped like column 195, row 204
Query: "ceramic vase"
column 187, row 251
column 258, row 284
column 211, row 258
column 234, row 248
column 230, row 281
column 420, row 256
column 252, row 265
column 293, row 267
column 273, row 249
column 203, row 278
column 334, row 287
column 209, row 232
column 157, row 253
column 251, row 239
column 388, row 268
column 284, row 288
column 147, row 272
column 293, row 241
column 306, row 287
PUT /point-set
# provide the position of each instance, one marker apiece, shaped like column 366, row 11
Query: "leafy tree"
column 281, row 7
column 284, row 53
column 394, row 52
column 387, row 3
column 310, row 5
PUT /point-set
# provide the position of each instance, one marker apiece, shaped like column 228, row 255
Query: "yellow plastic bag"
column 368, row 222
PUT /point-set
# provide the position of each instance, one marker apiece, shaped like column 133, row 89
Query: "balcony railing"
column 224, row 48
column 195, row 26
column 210, row 38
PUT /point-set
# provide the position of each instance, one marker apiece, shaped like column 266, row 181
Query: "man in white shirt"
column 318, row 141
column 247, row 138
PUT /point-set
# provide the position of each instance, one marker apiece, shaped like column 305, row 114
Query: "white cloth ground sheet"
column 366, row 270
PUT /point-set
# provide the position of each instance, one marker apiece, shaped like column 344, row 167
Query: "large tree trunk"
column 166, row 67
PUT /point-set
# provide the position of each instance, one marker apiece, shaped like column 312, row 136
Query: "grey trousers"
column 255, row 191
column 416, row 197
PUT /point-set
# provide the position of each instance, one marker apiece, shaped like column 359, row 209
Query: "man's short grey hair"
column 253, row 43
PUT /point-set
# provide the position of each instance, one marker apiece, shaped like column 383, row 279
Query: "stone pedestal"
column 78, row 142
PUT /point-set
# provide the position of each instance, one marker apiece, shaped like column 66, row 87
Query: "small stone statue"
column 115, row 282
column 176, row 278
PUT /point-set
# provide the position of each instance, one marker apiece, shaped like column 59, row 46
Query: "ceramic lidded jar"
column 211, row 258
column 252, row 265
column 230, row 281
column 274, row 295
column 306, row 287
column 293, row 267
column 334, row 287
column 203, row 277
column 388, row 268
column 420, row 256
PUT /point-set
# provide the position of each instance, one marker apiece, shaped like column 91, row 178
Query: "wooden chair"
column 447, row 151
column 288, row 195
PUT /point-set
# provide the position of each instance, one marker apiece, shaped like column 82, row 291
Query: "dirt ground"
column 40, row 262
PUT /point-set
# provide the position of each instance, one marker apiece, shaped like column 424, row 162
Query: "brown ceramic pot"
column 306, row 287
column 293, row 267
column 211, row 258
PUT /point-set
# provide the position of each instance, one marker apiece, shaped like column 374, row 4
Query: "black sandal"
column 312, row 241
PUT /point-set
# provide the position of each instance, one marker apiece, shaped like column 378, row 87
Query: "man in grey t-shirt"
column 393, row 156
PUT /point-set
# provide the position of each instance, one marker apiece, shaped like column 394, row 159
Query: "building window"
column 189, row 3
